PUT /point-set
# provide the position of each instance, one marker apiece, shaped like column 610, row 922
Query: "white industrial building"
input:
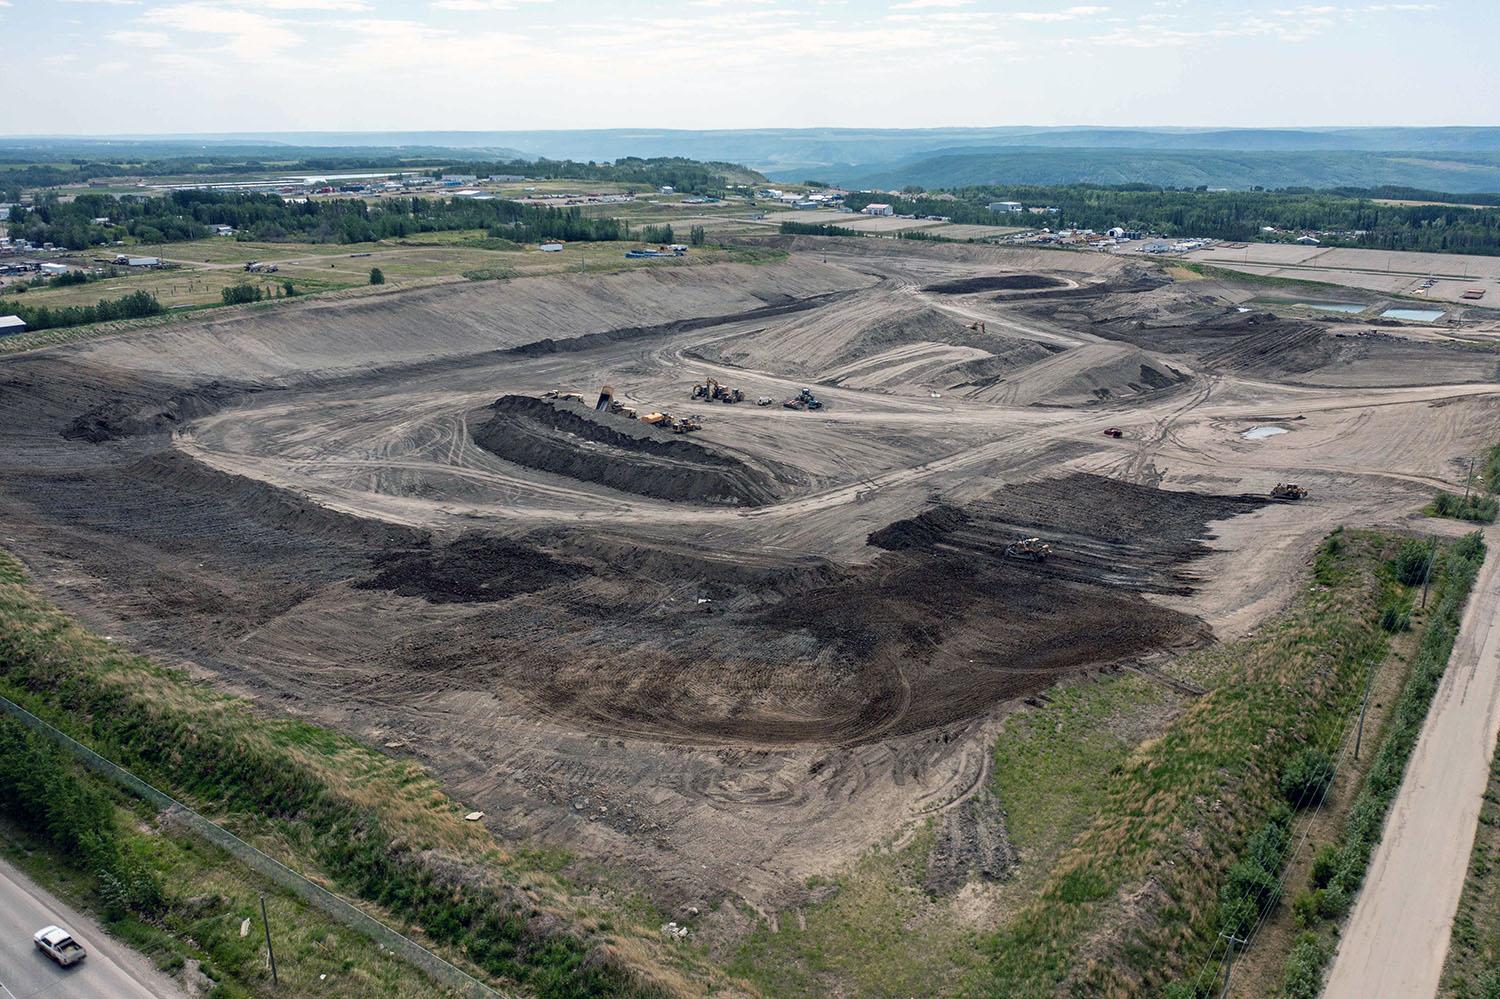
column 1006, row 206
column 12, row 324
column 878, row 208
column 551, row 247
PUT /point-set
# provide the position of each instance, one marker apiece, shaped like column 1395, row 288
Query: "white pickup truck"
column 58, row 944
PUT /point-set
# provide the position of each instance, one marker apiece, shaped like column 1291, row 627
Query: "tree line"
column 686, row 175
column 185, row 215
column 1347, row 219
column 135, row 305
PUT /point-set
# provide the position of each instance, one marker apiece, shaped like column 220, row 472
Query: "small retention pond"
column 1261, row 433
column 1416, row 315
column 1345, row 307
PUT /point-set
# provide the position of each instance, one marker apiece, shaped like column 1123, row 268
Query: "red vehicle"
column 1114, row 432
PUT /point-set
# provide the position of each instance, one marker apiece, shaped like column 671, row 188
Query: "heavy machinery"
column 1030, row 549
column 977, row 326
column 1288, row 491
column 606, row 401
column 804, row 400
column 764, row 400
column 1114, row 432
column 655, row 419
column 714, row 392
column 562, row 396
column 686, row 425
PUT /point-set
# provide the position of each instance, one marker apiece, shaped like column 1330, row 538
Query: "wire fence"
column 277, row 872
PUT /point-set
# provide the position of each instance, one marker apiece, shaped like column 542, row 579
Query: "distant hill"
column 1458, row 173
column 1455, row 159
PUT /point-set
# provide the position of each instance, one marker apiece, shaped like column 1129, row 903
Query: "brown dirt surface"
column 707, row 700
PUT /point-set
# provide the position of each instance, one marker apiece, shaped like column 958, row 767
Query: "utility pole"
column 270, row 954
column 1431, row 558
column 1468, row 480
column 1233, row 942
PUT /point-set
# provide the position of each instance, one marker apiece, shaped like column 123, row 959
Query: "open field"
column 739, row 671
column 1394, row 273
column 205, row 267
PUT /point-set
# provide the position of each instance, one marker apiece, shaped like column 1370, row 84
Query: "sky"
column 174, row 66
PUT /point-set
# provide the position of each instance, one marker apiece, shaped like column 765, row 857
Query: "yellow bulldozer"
column 1029, row 549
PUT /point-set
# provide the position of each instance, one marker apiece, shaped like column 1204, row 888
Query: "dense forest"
column 686, row 175
column 1339, row 219
column 267, row 218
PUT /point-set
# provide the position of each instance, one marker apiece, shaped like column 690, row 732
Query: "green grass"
column 1133, row 902
column 879, row 935
column 1052, row 765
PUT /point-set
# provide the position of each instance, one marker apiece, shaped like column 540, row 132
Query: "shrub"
column 377, row 276
column 1306, row 778
column 1411, row 561
column 1395, row 618
column 240, row 294
column 1324, row 864
column 1304, row 968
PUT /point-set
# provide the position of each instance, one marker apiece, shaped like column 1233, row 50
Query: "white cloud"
column 1066, row 14
column 479, row 5
column 249, row 36
column 926, row 4
column 140, row 39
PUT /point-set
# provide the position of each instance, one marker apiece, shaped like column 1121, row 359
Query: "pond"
column 1416, row 315
column 1261, row 433
column 1346, row 307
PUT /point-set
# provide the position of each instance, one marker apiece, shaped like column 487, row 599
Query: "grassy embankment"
column 169, row 894
column 1128, row 802
column 323, row 270
column 379, row 830
column 1479, row 504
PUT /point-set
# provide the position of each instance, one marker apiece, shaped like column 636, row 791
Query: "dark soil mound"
column 473, row 569
column 569, row 439
column 996, row 282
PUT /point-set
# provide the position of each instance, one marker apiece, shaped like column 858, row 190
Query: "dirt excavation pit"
column 568, row 438
column 997, row 282
column 760, row 648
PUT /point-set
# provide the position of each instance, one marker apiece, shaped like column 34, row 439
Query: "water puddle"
column 1416, row 315
column 1261, row 433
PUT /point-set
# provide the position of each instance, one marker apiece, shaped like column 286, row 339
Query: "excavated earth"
column 715, row 665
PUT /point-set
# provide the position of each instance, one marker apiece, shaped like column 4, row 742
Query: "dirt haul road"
column 322, row 506
column 1397, row 938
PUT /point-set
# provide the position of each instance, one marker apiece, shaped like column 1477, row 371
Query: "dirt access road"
column 1397, row 938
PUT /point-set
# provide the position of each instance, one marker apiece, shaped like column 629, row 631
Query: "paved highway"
column 111, row 971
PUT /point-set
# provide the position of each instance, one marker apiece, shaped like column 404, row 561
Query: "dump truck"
column 1030, row 549
column 655, row 419
column 606, row 403
column 1288, row 491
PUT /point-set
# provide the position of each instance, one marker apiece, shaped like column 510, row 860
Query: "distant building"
column 143, row 261
column 551, row 247
column 223, row 230
column 1309, row 240
column 878, row 208
column 1006, row 206
column 460, row 178
column 12, row 324
column 666, row 189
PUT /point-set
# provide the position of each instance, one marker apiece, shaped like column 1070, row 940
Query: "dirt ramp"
column 572, row 440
